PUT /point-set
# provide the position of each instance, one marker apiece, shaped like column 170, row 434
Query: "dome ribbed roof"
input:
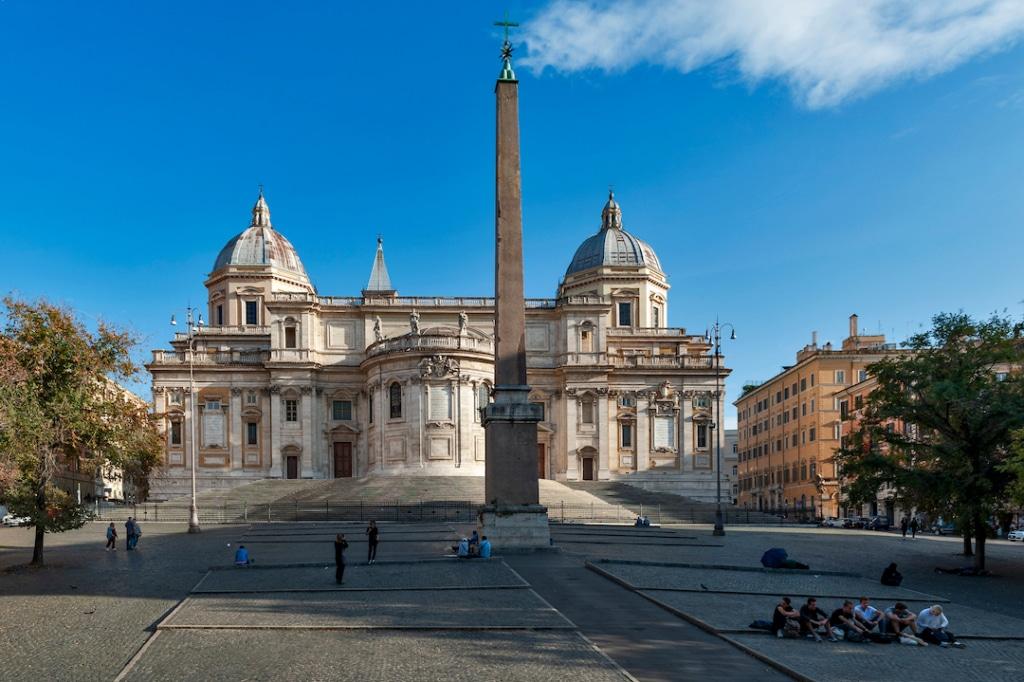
column 261, row 244
column 612, row 245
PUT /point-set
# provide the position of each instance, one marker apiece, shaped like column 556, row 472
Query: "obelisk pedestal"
column 513, row 518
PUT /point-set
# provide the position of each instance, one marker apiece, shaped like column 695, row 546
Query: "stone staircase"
column 668, row 508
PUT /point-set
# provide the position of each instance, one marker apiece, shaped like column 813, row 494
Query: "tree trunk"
column 980, row 533
column 967, row 540
column 37, row 549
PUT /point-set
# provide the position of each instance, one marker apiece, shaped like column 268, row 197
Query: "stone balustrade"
column 431, row 342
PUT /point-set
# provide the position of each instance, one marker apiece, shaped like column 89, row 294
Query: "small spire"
column 507, row 74
column 611, row 215
column 261, row 212
column 380, row 282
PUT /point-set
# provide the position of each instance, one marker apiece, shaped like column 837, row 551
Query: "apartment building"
column 790, row 426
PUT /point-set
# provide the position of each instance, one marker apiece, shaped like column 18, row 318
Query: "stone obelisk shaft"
column 511, row 421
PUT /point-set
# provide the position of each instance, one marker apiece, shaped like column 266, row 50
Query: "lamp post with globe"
column 193, row 323
column 714, row 335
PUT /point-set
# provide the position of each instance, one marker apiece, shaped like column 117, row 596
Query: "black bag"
column 760, row 625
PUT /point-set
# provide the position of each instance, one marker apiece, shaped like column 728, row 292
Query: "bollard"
column 245, row 511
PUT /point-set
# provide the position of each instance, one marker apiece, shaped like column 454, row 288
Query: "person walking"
column 372, row 535
column 904, row 524
column 129, row 533
column 136, row 533
column 340, row 545
column 913, row 528
column 111, row 537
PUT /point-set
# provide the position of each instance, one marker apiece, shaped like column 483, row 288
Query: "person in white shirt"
column 933, row 624
column 866, row 614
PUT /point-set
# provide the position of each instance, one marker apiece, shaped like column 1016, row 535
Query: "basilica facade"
column 288, row 383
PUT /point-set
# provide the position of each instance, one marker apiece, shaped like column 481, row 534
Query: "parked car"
column 1015, row 535
column 11, row 520
column 849, row 522
column 943, row 528
column 833, row 522
column 878, row 523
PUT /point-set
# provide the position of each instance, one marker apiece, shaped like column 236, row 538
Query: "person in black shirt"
column 891, row 577
column 844, row 619
column 784, row 612
column 812, row 619
column 371, row 540
column 340, row 545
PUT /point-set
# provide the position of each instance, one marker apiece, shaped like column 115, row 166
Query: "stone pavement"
column 91, row 614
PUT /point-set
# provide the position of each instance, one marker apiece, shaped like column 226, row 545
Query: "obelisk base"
column 516, row 528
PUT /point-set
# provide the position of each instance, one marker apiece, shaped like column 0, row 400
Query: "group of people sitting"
column 863, row 623
column 473, row 547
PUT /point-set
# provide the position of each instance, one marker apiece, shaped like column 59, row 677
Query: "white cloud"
column 826, row 51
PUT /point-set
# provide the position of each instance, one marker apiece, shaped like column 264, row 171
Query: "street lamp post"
column 193, row 324
column 715, row 335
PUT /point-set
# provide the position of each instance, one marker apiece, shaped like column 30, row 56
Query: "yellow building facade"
column 789, row 426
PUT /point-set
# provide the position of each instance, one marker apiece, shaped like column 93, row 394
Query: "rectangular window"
column 251, row 313
column 858, row 402
column 655, row 317
column 291, row 410
column 586, row 342
column 803, row 437
column 803, row 410
column 844, row 409
column 794, row 413
column 627, row 401
column 440, row 402
column 250, row 398
column 540, row 408
column 778, row 395
column 812, row 380
column 251, row 433
column 778, row 445
column 341, row 410
column 837, row 431
column 625, row 314
column 814, row 469
column 794, row 440
column 587, row 412
column 175, row 433
column 220, row 315
column 627, row 435
column 803, row 385
column 702, row 436
column 840, row 376
column 369, row 407
column 862, row 375
column 289, row 337
column 813, row 431
column 812, row 405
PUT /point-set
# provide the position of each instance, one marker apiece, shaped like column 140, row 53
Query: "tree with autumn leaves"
column 960, row 388
column 60, row 400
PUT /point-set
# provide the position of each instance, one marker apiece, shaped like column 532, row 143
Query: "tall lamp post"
column 715, row 335
column 193, row 322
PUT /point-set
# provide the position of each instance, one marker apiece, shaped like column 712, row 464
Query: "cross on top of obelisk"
column 506, row 50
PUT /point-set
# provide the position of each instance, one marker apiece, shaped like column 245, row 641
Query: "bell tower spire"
column 261, row 212
column 380, row 282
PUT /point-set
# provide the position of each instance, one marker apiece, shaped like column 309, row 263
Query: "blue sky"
column 134, row 136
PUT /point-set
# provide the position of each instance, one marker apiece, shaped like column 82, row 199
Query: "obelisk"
column 512, row 517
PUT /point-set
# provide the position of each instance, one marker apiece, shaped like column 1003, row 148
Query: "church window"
column 625, row 314
column 289, row 337
column 702, row 436
column 370, row 407
column 655, row 317
column 174, row 396
column 627, row 435
column 587, row 410
column 439, row 402
column 627, row 401
column 540, row 408
column 341, row 410
column 220, row 315
column 291, row 410
column 250, row 398
column 395, row 396
column 251, row 433
column 251, row 313
column 176, row 433
column 702, row 400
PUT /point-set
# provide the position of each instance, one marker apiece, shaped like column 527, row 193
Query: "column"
column 642, row 438
column 603, row 449
column 306, row 419
column 277, row 469
column 236, row 434
column 686, row 434
column 572, row 469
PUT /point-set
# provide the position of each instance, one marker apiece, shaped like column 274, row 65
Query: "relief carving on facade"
column 439, row 367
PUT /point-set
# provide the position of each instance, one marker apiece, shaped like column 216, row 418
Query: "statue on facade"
column 414, row 322
column 463, row 323
column 377, row 333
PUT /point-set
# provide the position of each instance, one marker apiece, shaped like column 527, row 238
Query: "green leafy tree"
column 59, row 401
column 960, row 388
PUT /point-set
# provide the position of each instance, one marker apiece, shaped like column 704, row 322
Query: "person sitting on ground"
column 474, row 539
column 242, row 557
column 463, row 550
column 485, row 548
column 891, row 577
column 933, row 623
column 867, row 615
column 784, row 617
column 844, row 619
column 813, row 619
column 901, row 621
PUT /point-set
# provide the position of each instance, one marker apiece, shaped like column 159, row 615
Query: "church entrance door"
column 343, row 460
column 588, row 468
column 293, row 466
column 542, row 464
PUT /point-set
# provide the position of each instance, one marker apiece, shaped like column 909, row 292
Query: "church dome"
column 612, row 245
column 261, row 244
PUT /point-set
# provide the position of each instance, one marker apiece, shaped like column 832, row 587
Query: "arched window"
column 395, row 396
